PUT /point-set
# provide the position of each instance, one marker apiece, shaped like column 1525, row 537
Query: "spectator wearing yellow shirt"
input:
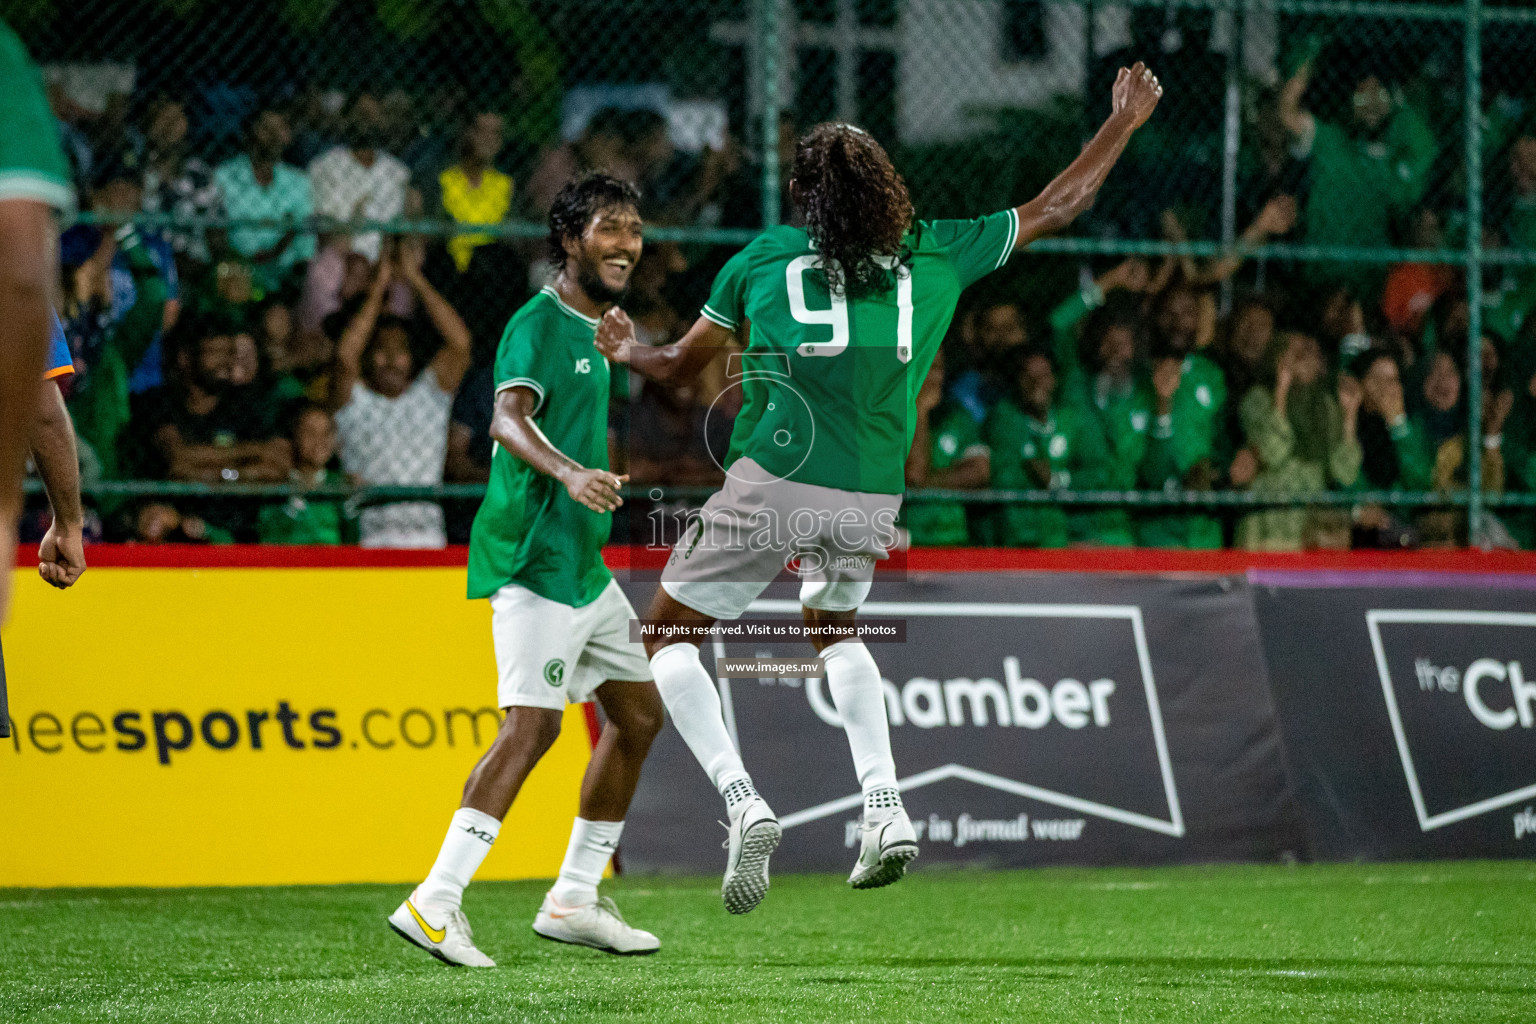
column 473, row 190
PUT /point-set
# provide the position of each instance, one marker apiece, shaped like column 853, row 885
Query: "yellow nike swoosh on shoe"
column 433, row 934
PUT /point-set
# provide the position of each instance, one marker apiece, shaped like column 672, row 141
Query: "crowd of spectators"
column 314, row 353
column 1320, row 377
column 306, row 351
column 1138, row 383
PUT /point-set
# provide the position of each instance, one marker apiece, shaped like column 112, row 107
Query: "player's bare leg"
column 525, row 736
column 432, row 917
column 572, row 911
column 694, row 704
column 28, row 271
column 635, row 715
column 889, row 841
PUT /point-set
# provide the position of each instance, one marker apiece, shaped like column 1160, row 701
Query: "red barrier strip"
column 1225, row 563
column 1105, row 560
column 594, row 727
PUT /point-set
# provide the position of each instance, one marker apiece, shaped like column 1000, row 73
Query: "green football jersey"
column 1017, row 439
column 529, row 531
column 954, row 438
column 1175, row 444
column 32, row 165
column 830, row 382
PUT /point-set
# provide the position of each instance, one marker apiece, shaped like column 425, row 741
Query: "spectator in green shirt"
column 947, row 452
column 1520, row 432
column 303, row 520
column 1123, row 284
column 1509, row 298
column 1395, row 456
column 1034, row 445
column 1189, row 395
column 1366, row 172
column 1111, row 402
column 1515, row 201
column 258, row 185
column 1393, row 453
column 1519, row 436
column 1441, row 419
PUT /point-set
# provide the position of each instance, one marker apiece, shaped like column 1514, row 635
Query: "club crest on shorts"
column 554, row 671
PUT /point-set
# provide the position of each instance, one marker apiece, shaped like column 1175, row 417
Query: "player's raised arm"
column 346, row 365
column 1072, row 192
column 678, row 362
column 513, row 428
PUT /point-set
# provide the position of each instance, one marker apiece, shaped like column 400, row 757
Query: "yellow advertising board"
column 257, row 726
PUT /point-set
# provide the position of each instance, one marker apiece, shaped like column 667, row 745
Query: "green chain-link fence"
column 1361, row 173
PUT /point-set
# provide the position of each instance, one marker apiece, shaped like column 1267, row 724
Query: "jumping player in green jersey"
column 34, row 185
column 559, row 622
column 846, row 315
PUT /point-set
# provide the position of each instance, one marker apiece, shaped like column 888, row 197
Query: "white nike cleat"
column 754, row 835
column 890, row 844
column 453, row 943
column 599, row 925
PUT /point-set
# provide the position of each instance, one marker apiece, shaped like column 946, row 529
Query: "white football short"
column 549, row 654
column 750, row 529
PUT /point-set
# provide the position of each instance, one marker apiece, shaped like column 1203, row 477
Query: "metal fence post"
column 1231, row 136
column 1474, row 73
column 768, row 66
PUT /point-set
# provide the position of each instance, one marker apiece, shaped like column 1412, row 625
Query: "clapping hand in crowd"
column 1350, row 396
column 1131, row 275
column 1496, row 409
column 1277, row 217
column 1244, row 468
column 1166, row 377
column 410, row 256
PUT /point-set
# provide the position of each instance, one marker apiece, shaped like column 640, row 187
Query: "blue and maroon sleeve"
column 59, row 360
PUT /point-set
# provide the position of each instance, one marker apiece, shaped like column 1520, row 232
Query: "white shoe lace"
column 606, row 904
column 461, row 923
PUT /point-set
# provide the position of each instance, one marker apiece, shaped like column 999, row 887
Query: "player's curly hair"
column 578, row 200
column 856, row 206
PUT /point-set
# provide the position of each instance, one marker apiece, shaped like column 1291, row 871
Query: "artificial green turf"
column 1349, row 943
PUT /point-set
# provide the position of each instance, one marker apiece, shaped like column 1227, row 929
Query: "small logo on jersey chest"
column 584, row 365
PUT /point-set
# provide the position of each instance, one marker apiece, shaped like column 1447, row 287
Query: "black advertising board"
column 1409, row 714
column 1035, row 719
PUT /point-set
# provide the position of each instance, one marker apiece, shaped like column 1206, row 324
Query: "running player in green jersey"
column 846, row 315
column 559, row 621
column 34, row 184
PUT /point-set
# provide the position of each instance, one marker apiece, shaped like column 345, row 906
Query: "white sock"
column 694, row 704
column 854, row 682
column 592, row 843
column 469, row 839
